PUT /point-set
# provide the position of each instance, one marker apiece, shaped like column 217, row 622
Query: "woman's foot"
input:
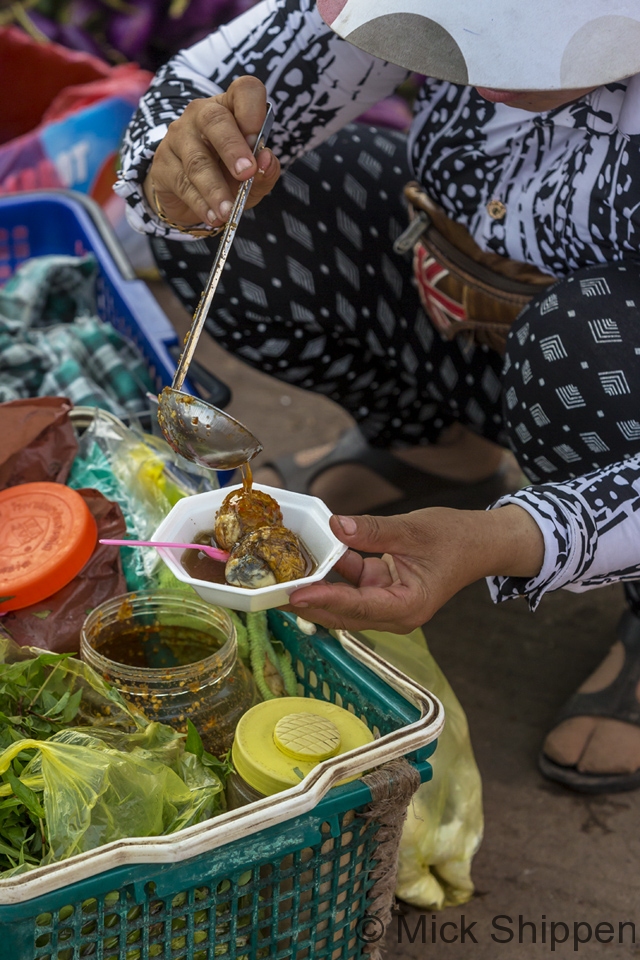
column 595, row 745
column 351, row 488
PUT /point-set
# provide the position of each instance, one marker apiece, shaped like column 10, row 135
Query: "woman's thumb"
column 368, row 534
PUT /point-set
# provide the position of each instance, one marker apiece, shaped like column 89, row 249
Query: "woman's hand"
column 427, row 556
column 207, row 152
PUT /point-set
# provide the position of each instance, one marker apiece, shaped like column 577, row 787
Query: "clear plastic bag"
column 99, row 786
column 142, row 474
column 105, row 774
column 445, row 820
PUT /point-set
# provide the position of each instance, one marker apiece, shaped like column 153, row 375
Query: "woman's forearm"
column 504, row 542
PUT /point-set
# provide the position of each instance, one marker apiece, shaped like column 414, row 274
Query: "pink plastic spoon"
column 214, row 552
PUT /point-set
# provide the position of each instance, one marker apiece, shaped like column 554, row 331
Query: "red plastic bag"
column 24, row 65
column 39, row 443
column 62, row 123
column 55, row 622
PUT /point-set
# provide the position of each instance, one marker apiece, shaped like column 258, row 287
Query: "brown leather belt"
column 464, row 289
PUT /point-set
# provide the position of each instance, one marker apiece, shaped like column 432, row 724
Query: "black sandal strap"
column 593, row 783
column 618, row 701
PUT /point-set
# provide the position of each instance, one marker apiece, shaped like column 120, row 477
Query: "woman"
column 527, row 143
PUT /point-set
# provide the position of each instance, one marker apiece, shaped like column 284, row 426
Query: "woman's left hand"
column 427, row 557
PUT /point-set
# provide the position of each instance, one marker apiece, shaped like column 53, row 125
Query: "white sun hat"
column 504, row 44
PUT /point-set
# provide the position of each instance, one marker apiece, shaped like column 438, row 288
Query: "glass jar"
column 172, row 657
column 239, row 793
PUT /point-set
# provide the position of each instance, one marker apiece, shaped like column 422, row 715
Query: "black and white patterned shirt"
column 569, row 179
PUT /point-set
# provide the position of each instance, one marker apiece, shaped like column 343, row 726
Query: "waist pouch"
column 464, row 289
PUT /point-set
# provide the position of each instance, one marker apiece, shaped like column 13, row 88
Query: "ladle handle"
column 202, row 310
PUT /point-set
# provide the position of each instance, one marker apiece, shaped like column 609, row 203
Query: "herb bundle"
column 35, row 702
column 91, row 770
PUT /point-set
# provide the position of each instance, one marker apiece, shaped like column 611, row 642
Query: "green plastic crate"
column 292, row 889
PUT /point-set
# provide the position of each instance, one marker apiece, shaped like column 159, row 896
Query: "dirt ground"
column 548, row 855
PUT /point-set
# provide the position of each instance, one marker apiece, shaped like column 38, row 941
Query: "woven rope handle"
column 392, row 787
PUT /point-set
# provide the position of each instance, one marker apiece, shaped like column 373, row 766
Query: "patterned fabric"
column 570, row 184
column 571, row 384
column 572, row 359
column 53, row 289
column 53, row 344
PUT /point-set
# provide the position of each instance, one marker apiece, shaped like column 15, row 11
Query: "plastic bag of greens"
column 92, row 791
column 445, row 821
column 78, row 768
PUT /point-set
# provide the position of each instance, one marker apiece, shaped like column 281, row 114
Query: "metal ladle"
column 195, row 429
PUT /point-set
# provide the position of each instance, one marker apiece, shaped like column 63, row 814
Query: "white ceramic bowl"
column 308, row 517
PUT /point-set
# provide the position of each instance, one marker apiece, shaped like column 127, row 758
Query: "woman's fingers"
column 246, row 99
column 217, row 126
column 266, row 178
column 374, row 571
column 395, row 608
column 229, row 125
column 186, row 197
column 350, row 566
column 207, row 152
column 374, row 597
column 378, row 572
column 202, row 179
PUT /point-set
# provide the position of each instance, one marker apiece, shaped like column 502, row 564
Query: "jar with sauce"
column 172, row 657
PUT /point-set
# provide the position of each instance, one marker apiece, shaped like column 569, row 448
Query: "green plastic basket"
column 286, row 877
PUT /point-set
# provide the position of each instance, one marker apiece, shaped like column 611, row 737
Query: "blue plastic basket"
column 65, row 222
column 43, row 222
column 281, row 879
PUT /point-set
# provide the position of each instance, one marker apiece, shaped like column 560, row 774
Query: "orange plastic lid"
column 47, row 534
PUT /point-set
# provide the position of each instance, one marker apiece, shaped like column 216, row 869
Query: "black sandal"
column 417, row 486
column 617, row 702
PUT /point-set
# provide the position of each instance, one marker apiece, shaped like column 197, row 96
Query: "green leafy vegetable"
column 76, row 763
column 193, row 744
column 36, row 701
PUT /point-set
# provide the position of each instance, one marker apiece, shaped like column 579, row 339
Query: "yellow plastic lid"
column 278, row 742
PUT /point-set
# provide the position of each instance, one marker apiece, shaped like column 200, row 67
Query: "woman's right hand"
column 427, row 557
column 207, row 152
